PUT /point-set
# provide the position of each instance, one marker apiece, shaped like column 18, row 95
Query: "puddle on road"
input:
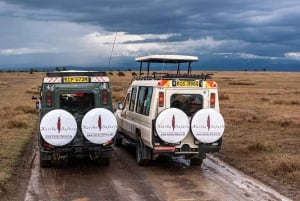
column 214, row 180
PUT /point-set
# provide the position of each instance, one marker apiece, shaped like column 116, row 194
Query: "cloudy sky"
column 258, row 33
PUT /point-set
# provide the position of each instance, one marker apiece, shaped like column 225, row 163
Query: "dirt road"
column 166, row 179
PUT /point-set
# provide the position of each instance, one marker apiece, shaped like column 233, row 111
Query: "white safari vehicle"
column 171, row 114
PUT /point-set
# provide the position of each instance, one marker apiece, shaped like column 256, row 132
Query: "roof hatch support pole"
column 141, row 64
column 178, row 69
column 190, row 68
column 148, row 68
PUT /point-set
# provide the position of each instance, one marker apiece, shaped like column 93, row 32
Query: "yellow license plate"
column 187, row 83
column 70, row 79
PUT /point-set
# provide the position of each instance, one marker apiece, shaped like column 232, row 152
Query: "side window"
column 147, row 102
column 126, row 101
column 132, row 99
column 144, row 100
column 141, row 99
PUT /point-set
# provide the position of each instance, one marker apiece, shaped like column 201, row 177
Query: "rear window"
column 77, row 102
column 189, row 103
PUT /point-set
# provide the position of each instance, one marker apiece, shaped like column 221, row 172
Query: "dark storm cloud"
column 268, row 28
column 254, row 21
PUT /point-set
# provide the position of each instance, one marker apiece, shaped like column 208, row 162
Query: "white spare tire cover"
column 99, row 125
column 207, row 125
column 172, row 125
column 58, row 127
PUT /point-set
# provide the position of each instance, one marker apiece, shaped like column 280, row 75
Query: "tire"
column 102, row 161
column 118, row 140
column 196, row 161
column 142, row 153
column 44, row 163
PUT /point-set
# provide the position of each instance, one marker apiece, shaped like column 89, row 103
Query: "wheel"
column 44, row 163
column 196, row 161
column 118, row 140
column 142, row 153
column 102, row 161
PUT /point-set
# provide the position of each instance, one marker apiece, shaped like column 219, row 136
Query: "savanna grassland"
column 18, row 122
column 262, row 137
column 261, row 111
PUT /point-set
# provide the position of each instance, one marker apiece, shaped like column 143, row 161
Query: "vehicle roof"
column 167, row 59
column 75, row 73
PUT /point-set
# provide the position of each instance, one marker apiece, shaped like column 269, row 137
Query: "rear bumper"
column 200, row 151
column 75, row 151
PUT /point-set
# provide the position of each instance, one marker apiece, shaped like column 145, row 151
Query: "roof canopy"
column 167, row 59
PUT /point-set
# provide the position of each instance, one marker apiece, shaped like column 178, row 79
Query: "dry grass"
column 262, row 126
column 18, row 120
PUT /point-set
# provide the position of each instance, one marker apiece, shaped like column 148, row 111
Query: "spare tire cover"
column 207, row 125
column 99, row 125
column 58, row 127
column 172, row 125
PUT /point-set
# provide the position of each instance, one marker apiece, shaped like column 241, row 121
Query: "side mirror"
column 37, row 105
column 120, row 106
column 37, row 102
column 36, row 97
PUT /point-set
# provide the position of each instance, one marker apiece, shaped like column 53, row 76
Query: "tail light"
column 108, row 143
column 161, row 99
column 49, row 99
column 212, row 100
column 78, row 94
column 104, row 96
column 48, row 146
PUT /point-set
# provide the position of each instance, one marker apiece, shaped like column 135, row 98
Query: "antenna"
column 112, row 49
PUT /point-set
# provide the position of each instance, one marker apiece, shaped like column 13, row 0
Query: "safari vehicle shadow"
column 78, row 163
column 162, row 161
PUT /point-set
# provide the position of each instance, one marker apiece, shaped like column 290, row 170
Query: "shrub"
column 223, row 96
column 25, row 109
column 284, row 164
column 241, row 83
column 17, row 123
column 257, row 146
column 264, row 99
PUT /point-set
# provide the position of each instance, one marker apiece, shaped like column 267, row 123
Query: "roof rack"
column 175, row 59
column 168, row 76
column 75, row 73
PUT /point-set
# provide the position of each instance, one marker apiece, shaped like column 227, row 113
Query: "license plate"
column 187, row 83
column 71, row 79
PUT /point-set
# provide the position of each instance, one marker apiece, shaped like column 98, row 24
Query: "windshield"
column 77, row 102
column 189, row 103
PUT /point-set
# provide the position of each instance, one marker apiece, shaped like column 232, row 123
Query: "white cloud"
column 293, row 55
column 20, row 51
column 253, row 56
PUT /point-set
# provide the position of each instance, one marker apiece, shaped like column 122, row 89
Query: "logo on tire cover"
column 172, row 125
column 207, row 125
column 58, row 127
column 99, row 125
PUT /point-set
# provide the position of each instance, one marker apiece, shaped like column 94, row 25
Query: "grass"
column 262, row 127
column 257, row 146
column 18, row 122
column 16, row 132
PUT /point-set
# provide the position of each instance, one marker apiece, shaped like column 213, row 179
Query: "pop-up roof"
column 175, row 59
